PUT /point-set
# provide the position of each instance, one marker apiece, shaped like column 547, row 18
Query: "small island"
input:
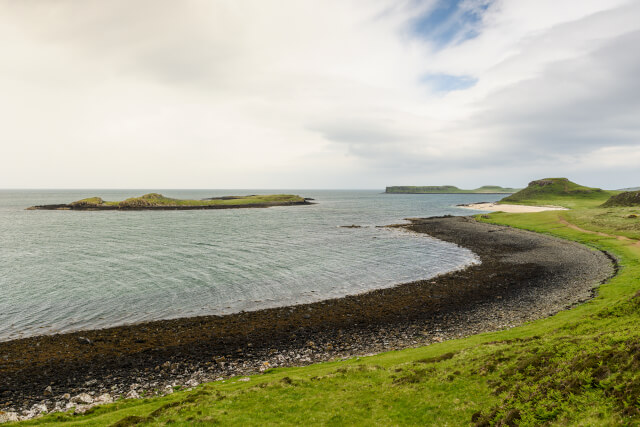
column 155, row 201
column 449, row 189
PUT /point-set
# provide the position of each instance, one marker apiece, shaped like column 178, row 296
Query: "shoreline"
column 523, row 276
column 495, row 207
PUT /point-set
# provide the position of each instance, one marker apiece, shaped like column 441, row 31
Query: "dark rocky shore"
column 523, row 276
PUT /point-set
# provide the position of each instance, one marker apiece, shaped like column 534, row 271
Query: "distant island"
column 449, row 189
column 155, row 201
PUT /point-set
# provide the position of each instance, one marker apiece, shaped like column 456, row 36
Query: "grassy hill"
column 579, row 367
column 448, row 189
column 558, row 191
column 628, row 198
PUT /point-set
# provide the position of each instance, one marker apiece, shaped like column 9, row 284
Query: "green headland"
column 155, row 201
column 559, row 191
column 448, row 189
column 578, row 367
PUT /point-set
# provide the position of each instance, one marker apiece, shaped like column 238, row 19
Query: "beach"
column 523, row 276
column 495, row 207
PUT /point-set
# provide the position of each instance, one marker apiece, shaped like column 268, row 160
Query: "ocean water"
column 62, row 271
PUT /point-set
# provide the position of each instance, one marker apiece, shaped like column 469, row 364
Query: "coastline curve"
column 523, row 276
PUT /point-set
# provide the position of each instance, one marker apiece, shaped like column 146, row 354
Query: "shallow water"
column 62, row 270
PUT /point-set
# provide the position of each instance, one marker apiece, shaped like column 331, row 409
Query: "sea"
column 63, row 271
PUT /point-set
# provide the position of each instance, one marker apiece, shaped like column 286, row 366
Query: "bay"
column 63, row 271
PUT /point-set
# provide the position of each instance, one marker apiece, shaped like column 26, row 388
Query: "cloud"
column 442, row 83
column 258, row 94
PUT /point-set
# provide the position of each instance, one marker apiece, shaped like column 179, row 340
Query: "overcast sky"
column 318, row 94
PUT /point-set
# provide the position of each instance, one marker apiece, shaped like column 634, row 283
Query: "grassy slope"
column 626, row 199
column 155, row 199
column 578, row 367
column 448, row 189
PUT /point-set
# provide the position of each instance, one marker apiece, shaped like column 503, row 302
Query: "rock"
column 264, row 366
column 192, row 383
column 81, row 409
column 104, row 398
column 82, row 398
column 245, row 379
column 66, row 396
column 39, row 408
column 48, row 391
column 83, row 340
column 133, row 395
column 5, row 417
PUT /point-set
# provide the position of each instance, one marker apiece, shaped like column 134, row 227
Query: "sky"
column 318, row 94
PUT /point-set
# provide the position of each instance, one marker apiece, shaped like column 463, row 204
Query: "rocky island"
column 155, row 201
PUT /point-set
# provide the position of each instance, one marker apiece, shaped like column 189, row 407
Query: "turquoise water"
column 63, row 271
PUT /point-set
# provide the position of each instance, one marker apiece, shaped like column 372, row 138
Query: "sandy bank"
column 494, row 207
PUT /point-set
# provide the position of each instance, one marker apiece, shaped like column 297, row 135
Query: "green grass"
column 155, row 199
column 91, row 201
column 619, row 221
column 579, row 367
column 448, row 189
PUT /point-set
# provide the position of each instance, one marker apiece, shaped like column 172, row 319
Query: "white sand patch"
column 493, row 207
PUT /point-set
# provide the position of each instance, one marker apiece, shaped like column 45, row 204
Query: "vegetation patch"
column 628, row 198
column 620, row 221
column 89, row 202
column 436, row 359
